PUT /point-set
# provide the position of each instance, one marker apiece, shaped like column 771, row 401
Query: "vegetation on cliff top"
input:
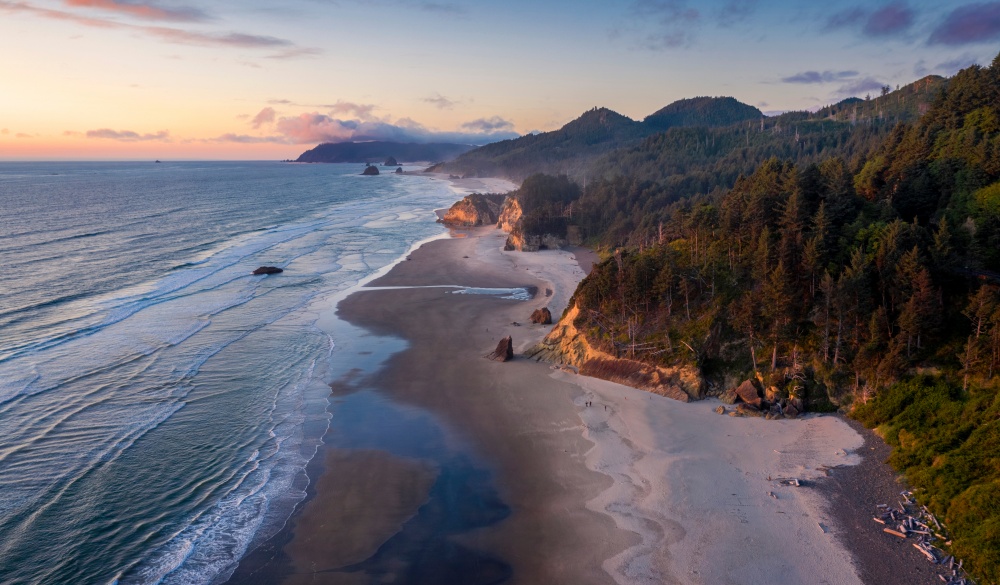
column 851, row 265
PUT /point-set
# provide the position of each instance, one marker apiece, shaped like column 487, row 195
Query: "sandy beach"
column 636, row 488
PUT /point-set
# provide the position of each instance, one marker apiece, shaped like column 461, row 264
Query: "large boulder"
column 729, row 396
column 504, row 351
column 542, row 316
column 268, row 270
column 370, row 170
column 474, row 210
column 748, row 394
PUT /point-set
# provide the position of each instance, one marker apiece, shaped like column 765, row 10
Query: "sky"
column 208, row 79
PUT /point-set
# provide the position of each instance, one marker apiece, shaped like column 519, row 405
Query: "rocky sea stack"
column 268, row 270
column 475, row 210
column 370, row 170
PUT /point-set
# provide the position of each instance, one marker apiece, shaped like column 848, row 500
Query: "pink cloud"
column 265, row 116
column 172, row 35
column 144, row 10
column 128, row 135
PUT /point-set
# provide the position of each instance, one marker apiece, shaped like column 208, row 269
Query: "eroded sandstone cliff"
column 474, row 210
column 565, row 344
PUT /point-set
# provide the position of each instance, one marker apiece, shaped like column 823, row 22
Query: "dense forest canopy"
column 846, row 264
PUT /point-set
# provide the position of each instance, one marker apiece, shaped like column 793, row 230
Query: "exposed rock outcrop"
column 748, row 394
column 268, row 270
column 474, row 210
column 542, row 316
column 504, row 351
column 390, row 162
column 370, row 170
column 565, row 344
column 399, row 170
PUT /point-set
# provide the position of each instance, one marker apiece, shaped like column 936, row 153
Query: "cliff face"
column 474, row 210
column 510, row 214
column 565, row 344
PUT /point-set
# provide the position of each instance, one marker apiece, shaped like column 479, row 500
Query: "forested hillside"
column 571, row 149
column 856, row 265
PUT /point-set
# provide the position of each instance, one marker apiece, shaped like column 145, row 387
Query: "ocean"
column 158, row 403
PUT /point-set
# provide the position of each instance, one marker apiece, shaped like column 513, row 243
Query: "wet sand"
column 499, row 473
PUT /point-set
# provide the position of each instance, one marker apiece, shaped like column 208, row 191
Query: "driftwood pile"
column 908, row 519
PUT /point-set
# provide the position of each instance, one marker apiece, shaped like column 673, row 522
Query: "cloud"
column 22, row 135
column 128, row 135
column 736, row 11
column 265, row 116
column 440, row 102
column 819, row 76
column 953, row 66
column 363, row 111
column 171, row 35
column 889, row 20
column 846, row 18
column 494, row 124
column 441, row 7
column 143, row 10
column 315, row 127
column 892, row 19
column 860, row 86
column 240, row 40
column 246, row 139
column 675, row 22
column 4, row 131
column 965, row 25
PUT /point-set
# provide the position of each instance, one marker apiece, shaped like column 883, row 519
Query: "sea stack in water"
column 268, row 270
column 399, row 170
column 504, row 351
column 390, row 162
column 370, row 170
column 542, row 316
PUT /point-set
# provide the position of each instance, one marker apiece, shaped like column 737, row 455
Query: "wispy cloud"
column 265, row 116
column 860, row 86
column 736, row 11
column 315, row 127
column 143, row 10
column 494, row 124
column 168, row 34
column 890, row 20
column 362, row 111
column 440, row 102
column 674, row 23
column 819, row 76
column 128, row 135
column 246, row 139
column 965, row 25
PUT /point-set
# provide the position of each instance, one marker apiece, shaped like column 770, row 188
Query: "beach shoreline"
column 636, row 488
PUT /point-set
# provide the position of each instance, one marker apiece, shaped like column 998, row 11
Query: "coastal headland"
column 441, row 466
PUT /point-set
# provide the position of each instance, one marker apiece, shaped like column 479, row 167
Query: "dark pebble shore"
column 853, row 492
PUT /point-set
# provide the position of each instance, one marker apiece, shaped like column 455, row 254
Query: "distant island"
column 360, row 152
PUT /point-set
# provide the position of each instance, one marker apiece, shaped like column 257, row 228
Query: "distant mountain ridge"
column 570, row 149
column 373, row 152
